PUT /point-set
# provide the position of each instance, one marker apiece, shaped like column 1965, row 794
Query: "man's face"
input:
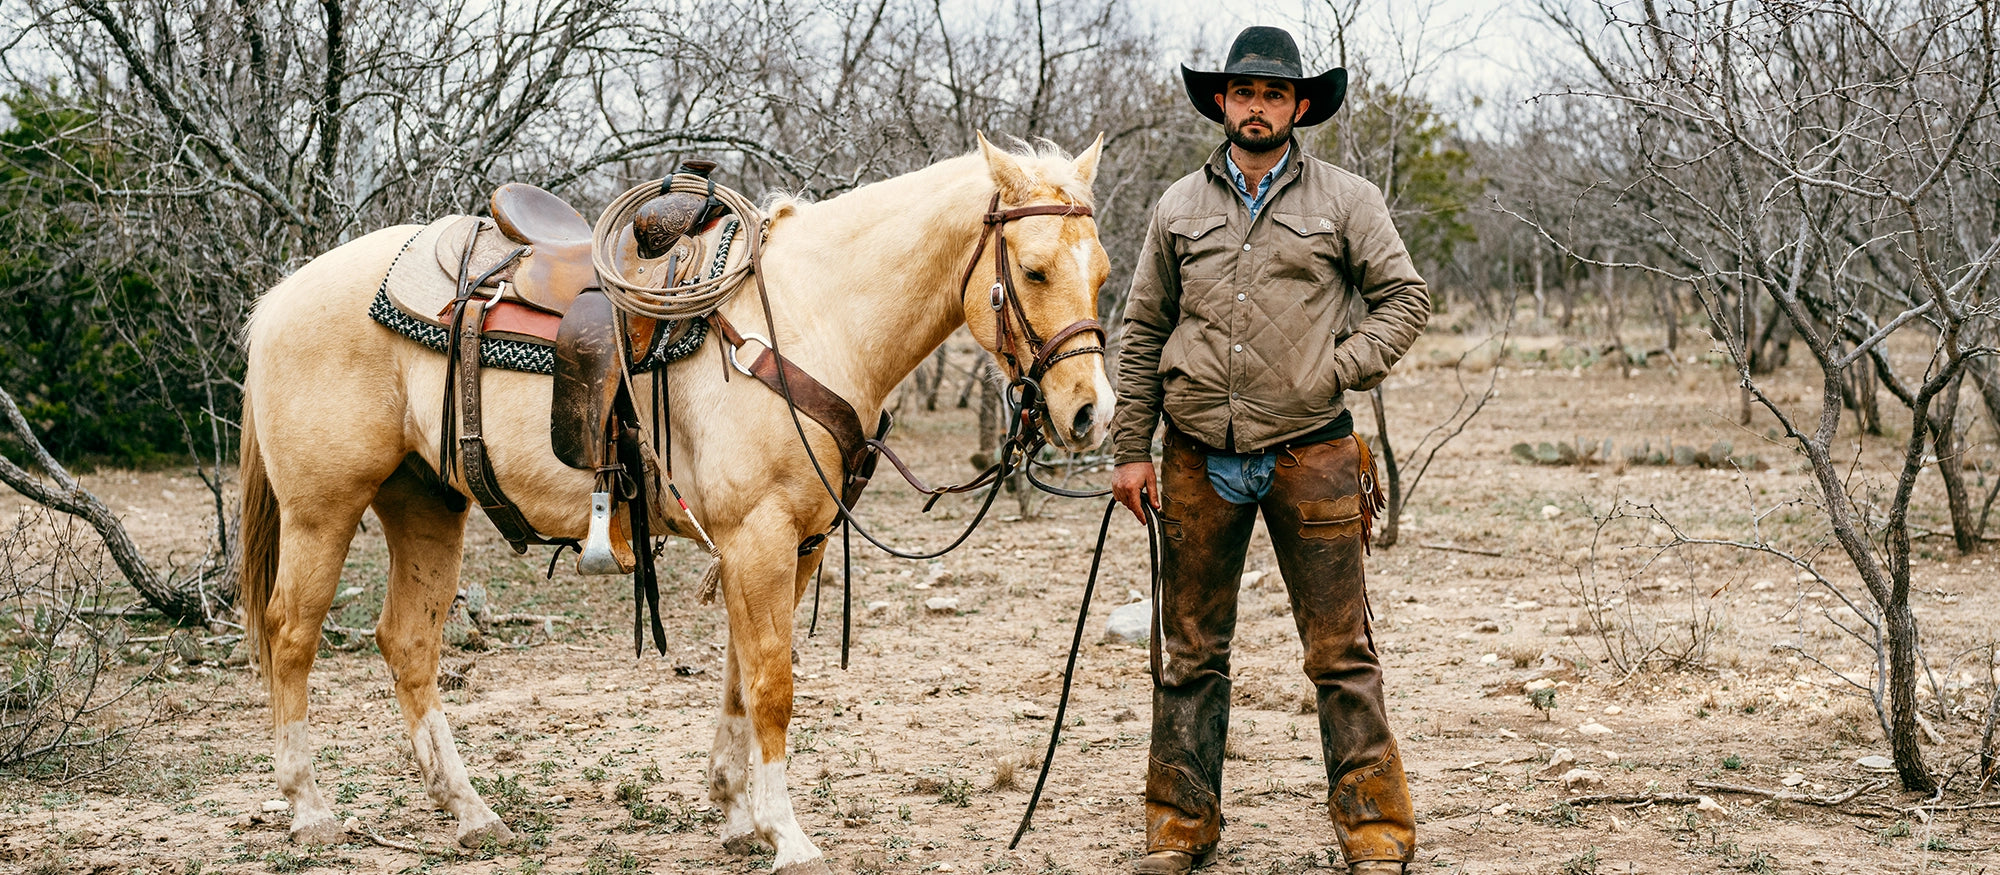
column 1258, row 113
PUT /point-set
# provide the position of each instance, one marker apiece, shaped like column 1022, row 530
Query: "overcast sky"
column 1464, row 47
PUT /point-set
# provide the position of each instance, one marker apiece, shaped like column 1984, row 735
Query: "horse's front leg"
column 760, row 572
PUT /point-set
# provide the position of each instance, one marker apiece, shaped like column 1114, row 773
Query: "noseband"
column 1007, row 302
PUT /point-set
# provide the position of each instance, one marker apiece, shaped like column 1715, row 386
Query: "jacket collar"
column 1218, row 168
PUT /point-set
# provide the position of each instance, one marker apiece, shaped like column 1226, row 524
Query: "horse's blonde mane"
column 1045, row 162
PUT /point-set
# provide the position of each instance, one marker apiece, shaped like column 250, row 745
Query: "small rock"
column 1537, row 685
column 352, row 825
column 942, row 604
column 1613, row 710
column 276, row 805
column 1609, row 756
column 1560, row 762
column 1488, row 626
column 1500, row 809
column 1031, row 711
column 1593, row 728
column 1130, row 624
column 1490, row 659
column 1523, row 606
column 1877, row 762
column 879, row 608
column 1793, row 780
column 574, row 727
column 1761, row 586
column 1581, row 778
column 1704, row 803
column 1250, row 578
column 245, row 821
column 348, row 593
column 558, row 799
column 1550, row 511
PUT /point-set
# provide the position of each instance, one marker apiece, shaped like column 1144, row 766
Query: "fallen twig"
column 1448, row 548
column 400, row 846
column 1635, row 799
column 1966, row 807
column 526, row 619
column 1792, row 795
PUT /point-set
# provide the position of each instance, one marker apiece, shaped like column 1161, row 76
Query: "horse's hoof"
column 495, row 832
column 744, row 844
column 325, row 831
column 814, row 866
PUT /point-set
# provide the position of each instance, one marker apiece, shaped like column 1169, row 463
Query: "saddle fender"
column 589, row 371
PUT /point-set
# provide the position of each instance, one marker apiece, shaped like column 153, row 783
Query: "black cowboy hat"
column 1269, row 53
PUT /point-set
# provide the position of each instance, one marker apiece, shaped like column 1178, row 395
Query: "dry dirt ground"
column 920, row 756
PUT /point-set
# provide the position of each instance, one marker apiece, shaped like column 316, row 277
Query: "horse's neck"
column 870, row 280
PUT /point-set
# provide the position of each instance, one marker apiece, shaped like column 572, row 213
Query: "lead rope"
column 1076, row 644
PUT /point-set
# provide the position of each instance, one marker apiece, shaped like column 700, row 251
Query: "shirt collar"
column 1255, row 200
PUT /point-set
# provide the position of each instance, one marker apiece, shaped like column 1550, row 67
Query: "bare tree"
column 1835, row 161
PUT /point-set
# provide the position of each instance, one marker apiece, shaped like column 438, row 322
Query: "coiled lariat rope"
column 695, row 299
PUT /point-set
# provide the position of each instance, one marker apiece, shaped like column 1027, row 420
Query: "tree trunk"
column 937, row 375
column 1949, row 448
column 180, row 601
column 1670, row 315
column 1900, row 628
column 1541, row 297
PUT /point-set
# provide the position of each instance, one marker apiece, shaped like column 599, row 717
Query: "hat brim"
column 1325, row 92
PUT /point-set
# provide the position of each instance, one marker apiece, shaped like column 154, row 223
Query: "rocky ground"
column 1538, row 653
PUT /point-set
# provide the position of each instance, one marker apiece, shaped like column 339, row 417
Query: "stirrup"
column 597, row 557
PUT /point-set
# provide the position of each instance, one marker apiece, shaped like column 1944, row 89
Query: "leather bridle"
column 1006, row 301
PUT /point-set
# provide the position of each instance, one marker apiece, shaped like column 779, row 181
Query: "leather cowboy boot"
column 1201, row 563
column 1319, row 512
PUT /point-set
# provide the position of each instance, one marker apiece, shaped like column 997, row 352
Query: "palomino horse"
column 340, row 415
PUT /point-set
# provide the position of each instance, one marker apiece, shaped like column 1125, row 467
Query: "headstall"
column 1006, row 301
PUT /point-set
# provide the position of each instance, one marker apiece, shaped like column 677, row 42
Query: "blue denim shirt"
column 1255, row 201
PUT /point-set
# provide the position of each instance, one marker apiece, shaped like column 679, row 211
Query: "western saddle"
column 529, row 274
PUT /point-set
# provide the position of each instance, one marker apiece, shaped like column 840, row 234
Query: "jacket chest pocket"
column 1201, row 245
column 1306, row 249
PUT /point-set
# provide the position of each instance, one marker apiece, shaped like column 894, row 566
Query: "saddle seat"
column 557, row 266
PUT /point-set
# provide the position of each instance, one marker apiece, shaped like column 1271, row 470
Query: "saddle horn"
column 662, row 221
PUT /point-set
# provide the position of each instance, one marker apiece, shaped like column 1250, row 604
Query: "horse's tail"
column 260, row 542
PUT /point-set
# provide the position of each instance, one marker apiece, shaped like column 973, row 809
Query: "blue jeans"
column 1242, row 479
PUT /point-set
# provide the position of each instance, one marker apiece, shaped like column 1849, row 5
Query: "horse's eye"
column 1036, row 276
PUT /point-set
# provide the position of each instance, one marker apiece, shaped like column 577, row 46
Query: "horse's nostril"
column 1084, row 415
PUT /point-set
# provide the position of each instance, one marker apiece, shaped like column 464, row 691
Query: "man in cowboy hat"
column 1239, row 331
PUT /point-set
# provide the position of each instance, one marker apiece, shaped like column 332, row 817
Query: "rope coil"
column 694, row 300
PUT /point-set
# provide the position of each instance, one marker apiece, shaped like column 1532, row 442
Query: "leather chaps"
column 1318, row 512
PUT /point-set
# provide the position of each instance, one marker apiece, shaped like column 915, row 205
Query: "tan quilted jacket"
column 1241, row 330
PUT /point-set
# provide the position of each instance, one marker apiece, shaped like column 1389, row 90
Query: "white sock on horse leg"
column 729, row 775
column 444, row 772
column 773, row 811
column 294, row 771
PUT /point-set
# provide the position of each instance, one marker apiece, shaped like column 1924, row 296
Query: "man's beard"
column 1277, row 137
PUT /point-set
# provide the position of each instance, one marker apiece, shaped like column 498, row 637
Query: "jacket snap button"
column 1239, row 296
column 1232, row 396
column 1246, row 247
column 1239, row 347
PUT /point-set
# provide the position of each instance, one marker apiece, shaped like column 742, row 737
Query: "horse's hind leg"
column 424, row 524
column 313, row 539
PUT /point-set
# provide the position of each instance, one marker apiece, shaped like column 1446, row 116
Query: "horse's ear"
column 1086, row 163
column 1006, row 172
